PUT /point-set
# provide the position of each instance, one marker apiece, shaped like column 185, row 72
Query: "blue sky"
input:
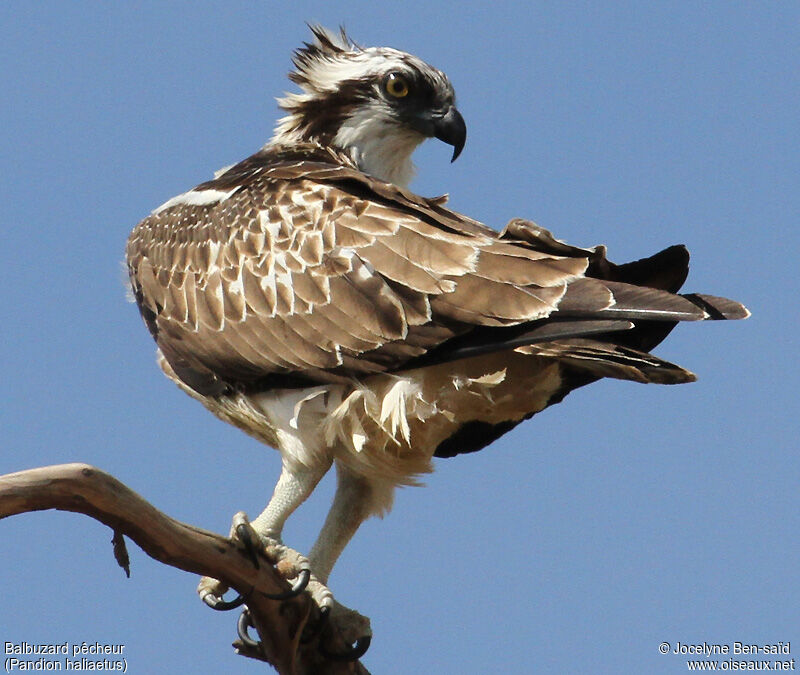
column 627, row 516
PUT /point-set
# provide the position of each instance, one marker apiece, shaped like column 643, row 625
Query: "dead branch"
column 85, row 489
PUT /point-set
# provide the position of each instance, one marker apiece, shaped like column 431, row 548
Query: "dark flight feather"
column 308, row 270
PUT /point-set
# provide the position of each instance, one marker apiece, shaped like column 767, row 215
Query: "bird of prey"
column 306, row 296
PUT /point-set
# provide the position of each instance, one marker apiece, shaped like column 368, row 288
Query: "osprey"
column 306, row 296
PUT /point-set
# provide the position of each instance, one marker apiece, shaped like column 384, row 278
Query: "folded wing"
column 293, row 270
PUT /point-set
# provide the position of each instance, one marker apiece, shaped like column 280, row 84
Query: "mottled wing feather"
column 309, row 267
column 294, row 264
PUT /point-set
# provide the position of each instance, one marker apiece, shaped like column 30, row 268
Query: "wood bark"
column 85, row 489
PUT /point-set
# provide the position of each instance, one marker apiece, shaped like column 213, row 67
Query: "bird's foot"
column 343, row 633
column 290, row 564
column 212, row 591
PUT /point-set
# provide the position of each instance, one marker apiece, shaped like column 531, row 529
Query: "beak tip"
column 452, row 130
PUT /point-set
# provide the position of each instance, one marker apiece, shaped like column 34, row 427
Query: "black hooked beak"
column 451, row 129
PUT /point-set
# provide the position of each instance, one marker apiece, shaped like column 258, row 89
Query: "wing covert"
column 312, row 269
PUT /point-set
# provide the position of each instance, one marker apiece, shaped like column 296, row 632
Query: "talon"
column 298, row 587
column 247, row 536
column 242, row 625
column 212, row 593
column 353, row 654
column 220, row 603
column 244, row 533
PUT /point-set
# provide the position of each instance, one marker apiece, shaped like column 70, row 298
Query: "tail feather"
column 604, row 359
column 718, row 308
column 596, row 299
column 627, row 309
column 666, row 270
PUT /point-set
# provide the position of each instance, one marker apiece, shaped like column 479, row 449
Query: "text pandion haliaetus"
column 306, row 296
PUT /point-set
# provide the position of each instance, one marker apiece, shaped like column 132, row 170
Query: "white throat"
column 378, row 146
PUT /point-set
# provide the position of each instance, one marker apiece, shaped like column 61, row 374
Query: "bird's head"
column 376, row 104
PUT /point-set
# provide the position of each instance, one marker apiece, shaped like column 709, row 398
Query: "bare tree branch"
column 85, row 489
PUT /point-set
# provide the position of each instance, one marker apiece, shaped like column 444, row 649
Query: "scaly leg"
column 293, row 488
column 356, row 499
column 352, row 505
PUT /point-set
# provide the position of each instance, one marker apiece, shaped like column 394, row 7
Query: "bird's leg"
column 293, row 488
column 353, row 503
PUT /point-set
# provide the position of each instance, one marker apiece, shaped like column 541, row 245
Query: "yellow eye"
column 396, row 85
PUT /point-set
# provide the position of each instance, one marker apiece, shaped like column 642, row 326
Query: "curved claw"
column 353, row 654
column 297, row 589
column 245, row 622
column 244, row 533
column 220, row 604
